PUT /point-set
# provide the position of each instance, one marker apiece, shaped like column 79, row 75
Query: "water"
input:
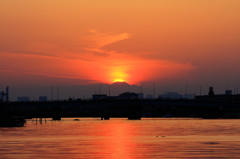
column 122, row 138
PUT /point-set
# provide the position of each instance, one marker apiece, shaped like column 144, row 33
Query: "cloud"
column 44, row 74
column 98, row 40
column 93, row 63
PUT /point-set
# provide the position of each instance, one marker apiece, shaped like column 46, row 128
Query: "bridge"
column 132, row 109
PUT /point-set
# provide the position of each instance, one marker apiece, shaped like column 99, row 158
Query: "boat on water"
column 12, row 121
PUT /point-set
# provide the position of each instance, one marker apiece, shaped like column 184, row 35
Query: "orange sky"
column 166, row 42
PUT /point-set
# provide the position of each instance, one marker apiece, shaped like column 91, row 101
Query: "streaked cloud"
column 98, row 40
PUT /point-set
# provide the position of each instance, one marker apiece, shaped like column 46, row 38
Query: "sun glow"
column 118, row 80
column 118, row 76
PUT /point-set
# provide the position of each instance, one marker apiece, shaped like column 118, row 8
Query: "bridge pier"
column 105, row 113
column 105, row 118
column 134, row 112
column 56, row 112
column 56, row 118
column 134, row 117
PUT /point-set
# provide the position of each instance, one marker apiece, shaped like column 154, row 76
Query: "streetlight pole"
column 154, row 91
column 200, row 89
column 186, row 91
column 141, row 92
column 52, row 93
column 100, row 89
column 57, row 93
column 109, row 90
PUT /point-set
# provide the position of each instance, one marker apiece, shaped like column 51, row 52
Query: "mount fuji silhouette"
column 122, row 87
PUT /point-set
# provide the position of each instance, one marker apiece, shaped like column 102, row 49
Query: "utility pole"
column 237, row 89
column 200, row 89
column 52, row 93
column 7, row 97
column 154, row 91
column 186, row 91
column 100, row 89
column 57, row 93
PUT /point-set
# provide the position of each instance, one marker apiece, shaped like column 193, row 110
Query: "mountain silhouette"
column 121, row 87
column 120, row 84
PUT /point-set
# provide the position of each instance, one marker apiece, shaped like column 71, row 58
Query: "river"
column 122, row 138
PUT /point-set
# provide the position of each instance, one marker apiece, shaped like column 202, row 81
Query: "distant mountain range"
column 121, row 87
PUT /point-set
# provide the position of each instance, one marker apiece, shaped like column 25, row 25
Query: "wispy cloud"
column 44, row 74
column 93, row 63
column 98, row 40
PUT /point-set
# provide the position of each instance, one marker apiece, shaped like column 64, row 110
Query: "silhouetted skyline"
column 56, row 92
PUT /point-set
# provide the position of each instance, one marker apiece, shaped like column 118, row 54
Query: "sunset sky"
column 78, row 45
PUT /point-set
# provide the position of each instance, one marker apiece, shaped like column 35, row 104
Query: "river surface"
column 122, row 138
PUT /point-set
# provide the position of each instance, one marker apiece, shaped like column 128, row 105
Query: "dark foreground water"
column 122, row 138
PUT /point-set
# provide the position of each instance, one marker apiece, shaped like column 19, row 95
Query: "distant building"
column 149, row 96
column 42, row 98
column 190, row 96
column 228, row 92
column 211, row 93
column 23, row 99
column 228, row 96
column 140, row 95
column 1, row 97
column 112, row 97
column 99, row 96
column 171, row 95
column 128, row 95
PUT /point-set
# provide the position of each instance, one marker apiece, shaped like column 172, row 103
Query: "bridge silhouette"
column 132, row 109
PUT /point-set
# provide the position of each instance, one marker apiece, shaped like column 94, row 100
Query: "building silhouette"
column 42, row 98
column 23, row 99
column 228, row 96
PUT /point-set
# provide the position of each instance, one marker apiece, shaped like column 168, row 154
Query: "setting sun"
column 118, row 76
column 118, row 80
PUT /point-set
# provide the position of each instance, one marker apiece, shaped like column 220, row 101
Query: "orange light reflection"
column 120, row 142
